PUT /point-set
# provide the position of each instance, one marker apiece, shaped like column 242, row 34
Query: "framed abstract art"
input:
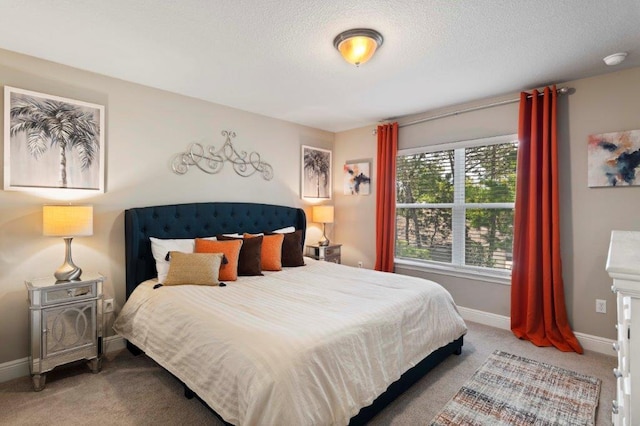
column 357, row 177
column 614, row 158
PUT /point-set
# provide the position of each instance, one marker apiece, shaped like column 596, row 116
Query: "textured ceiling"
column 276, row 57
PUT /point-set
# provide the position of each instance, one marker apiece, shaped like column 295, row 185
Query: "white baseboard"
column 595, row 343
column 14, row 369
column 20, row 367
column 588, row 341
column 486, row 318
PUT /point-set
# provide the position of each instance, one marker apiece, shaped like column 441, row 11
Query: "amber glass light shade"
column 358, row 46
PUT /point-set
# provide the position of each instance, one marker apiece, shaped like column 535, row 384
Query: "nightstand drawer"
column 48, row 291
column 331, row 251
column 68, row 294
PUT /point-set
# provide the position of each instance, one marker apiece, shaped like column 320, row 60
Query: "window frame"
column 456, row 267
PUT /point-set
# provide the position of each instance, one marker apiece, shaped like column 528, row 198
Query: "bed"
column 315, row 344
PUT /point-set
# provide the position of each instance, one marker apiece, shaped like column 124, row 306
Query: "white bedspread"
column 304, row 346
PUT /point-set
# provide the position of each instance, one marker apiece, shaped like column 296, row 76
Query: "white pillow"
column 236, row 235
column 287, row 230
column 160, row 248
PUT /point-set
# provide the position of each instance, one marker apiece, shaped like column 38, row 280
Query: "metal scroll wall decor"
column 211, row 161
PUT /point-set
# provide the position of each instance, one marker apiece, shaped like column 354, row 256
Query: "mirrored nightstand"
column 330, row 253
column 65, row 321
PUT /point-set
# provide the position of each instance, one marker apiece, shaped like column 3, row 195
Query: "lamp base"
column 68, row 271
column 324, row 241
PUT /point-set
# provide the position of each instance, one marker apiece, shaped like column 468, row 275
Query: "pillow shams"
column 286, row 230
column 271, row 252
column 231, row 249
column 292, row 249
column 250, row 260
column 193, row 268
column 160, row 248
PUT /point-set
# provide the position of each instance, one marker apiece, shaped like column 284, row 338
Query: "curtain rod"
column 561, row 91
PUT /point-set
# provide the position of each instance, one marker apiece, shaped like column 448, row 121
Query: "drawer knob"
column 614, row 407
column 616, row 346
column 617, row 373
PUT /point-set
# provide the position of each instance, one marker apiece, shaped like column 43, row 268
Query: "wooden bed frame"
column 213, row 218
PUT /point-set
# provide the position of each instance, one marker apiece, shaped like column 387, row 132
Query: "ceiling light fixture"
column 615, row 59
column 357, row 46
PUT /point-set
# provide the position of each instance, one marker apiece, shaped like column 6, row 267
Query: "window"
column 455, row 206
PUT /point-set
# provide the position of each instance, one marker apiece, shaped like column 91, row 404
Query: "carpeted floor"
column 135, row 391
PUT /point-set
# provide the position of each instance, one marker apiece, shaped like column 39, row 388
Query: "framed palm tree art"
column 52, row 143
column 315, row 181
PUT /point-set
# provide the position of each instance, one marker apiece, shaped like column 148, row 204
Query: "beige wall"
column 144, row 129
column 354, row 225
column 597, row 105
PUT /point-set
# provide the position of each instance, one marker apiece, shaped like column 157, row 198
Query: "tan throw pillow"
column 160, row 248
column 193, row 268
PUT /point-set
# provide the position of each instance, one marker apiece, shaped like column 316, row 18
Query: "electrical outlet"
column 108, row 306
column 360, row 264
column 601, row 306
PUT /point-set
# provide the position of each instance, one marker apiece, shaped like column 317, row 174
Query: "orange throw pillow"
column 230, row 249
column 271, row 253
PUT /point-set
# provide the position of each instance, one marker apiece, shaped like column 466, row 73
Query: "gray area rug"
column 512, row 390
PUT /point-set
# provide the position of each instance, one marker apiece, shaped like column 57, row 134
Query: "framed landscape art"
column 52, row 143
column 315, row 180
column 613, row 159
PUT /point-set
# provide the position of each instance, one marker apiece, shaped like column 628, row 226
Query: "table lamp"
column 324, row 215
column 67, row 221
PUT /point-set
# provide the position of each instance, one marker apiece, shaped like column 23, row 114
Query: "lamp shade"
column 322, row 214
column 357, row 46
column 67, row 221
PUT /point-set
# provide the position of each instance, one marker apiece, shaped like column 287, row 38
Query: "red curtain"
column 538, row 311
column 386, row 196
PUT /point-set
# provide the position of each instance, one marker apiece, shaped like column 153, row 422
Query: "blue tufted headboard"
column 196, row 220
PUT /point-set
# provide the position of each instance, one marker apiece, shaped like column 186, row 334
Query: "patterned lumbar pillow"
column 193, row 268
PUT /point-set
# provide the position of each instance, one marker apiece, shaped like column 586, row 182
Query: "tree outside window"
column 455, row 206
